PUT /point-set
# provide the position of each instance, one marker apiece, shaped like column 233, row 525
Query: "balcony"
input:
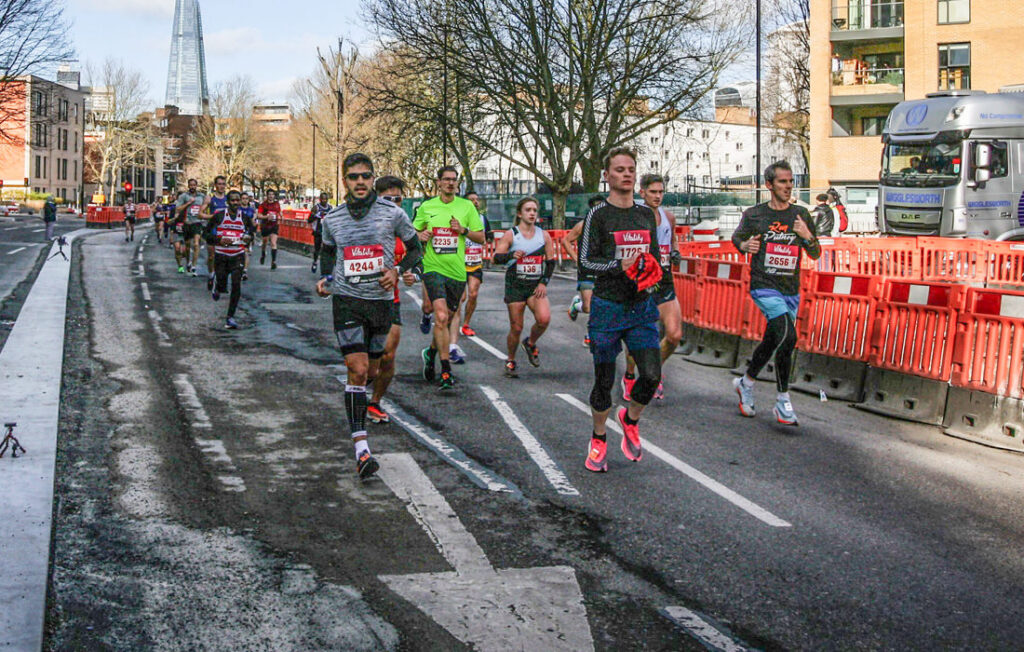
column 857, row 84
column 866, row 19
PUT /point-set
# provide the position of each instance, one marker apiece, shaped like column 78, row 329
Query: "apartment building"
column 869, row 55
column 43, row 126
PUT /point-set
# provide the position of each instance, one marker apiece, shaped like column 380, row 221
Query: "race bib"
column 666, row 255
column 528, row 268
column 193, row 210
column 272, row 218
column 631, row 243
column 474, row 255
column 780, row 257
column 179, row 228
column 445, row 241
column 363, row 263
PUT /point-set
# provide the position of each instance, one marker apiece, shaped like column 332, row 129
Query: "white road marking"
column 145, row 292
column 486, row 347
column 479, row 475
column 213, row 448
column 536, row 451
column 709, row 635
column 38, row 230
column 142, row 270
column 415, row 297
column 717, row 487
column 14, row 251
column 485, row 608
column 12, row 228
column 155, row 319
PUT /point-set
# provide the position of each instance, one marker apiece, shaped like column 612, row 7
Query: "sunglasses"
column 394, row 199
column 354, row 176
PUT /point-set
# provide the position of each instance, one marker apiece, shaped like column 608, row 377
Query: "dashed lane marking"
column 536, row 451
column 213, row 449
column 709, row 635
column 155, row 319
column 145, row 292
column 14, row 251
column 473, row 338
column 751, row 508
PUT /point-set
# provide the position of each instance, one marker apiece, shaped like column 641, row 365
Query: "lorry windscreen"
column 921, row 164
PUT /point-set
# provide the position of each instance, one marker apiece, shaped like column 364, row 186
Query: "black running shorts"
column 440, row 286
column 361, row 325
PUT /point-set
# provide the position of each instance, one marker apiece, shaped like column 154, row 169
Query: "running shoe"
column 209, row 283
column 467, row 331
column 312, row 267
column 627, row 388
column 366, row 465
column 376, row 414
column 231, row 323
column 532, row 352
column 447, row 381
column 273, row 265
column 194, row 272
column 425, row 324
column 586, row 341
column 574, row 307
column 596, row 461
column 181, row 269
column 457, row 355
column 510, row 369
column 263, row 259
column 428, row 365
column 784, row 413
column 245, row 276
column 215, row 294
column 126, row 239
column 631, row 446
column 746, row 395
column 660, row 392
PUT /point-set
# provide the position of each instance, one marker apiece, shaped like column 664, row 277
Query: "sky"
column 272, row 42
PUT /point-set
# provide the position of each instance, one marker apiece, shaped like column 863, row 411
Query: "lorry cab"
column 952, row 166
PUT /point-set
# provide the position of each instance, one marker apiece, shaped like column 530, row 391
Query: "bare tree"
column 563, row 81
column 787, row 93
column 229, row 141
column 33, row 35
column 119, row 95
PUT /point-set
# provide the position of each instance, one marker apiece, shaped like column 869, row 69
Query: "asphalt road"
column 21, row 241
column 207, row 495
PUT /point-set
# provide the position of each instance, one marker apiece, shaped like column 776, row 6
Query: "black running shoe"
column 366, row 465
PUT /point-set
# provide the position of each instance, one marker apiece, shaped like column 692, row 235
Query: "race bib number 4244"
column 363, row 263
column 629, row 244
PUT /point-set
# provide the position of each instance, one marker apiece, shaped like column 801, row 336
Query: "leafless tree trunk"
column 787, row 93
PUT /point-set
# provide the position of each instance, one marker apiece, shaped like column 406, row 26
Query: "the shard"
column 186, row 71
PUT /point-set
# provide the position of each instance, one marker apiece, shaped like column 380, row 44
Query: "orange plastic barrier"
column 687, row 283
column 838, row 255
column 721, row 291
column 889, row 257
column 836, row 314
column 989, row 346
column 952, row 259
column 914, row 327
column 1005, row 263
column 296, row 230
column 717, row 250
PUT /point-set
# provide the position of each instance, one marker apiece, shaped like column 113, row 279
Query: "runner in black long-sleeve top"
column 775, row 234
column 615, row 234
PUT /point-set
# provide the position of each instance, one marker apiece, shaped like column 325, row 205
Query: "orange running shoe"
column 467, row 331
column 376, row 414
column 596, row 461
column 631, row 446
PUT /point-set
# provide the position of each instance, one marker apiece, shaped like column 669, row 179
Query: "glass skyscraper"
column 186, row 71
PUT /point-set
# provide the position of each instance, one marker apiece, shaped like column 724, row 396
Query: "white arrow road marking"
column 488, row 609
column 703, row 631
column 717, row 487
column 536, row 451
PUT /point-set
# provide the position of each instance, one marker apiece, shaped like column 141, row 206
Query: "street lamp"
column 313, row 183
column 757, row 56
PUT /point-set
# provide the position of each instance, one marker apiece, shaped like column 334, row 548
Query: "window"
column 705, row 155
column 39, row 166
column 689, row 132
column 998, row 165
column 954, row 66
column 727, row 158
column 706, row 178
column 872, row 126
column 75, row 178
column 654, row 165
column 954, row 11
column 739, row 147
column 739, row 168
column 689, row 156
column 62, row 110
column 705, row 134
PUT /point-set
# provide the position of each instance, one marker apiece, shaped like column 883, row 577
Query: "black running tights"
column 780, row 341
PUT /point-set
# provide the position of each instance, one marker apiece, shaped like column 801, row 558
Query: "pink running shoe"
column 596, row 456
column 631, row 446
column 660, row 392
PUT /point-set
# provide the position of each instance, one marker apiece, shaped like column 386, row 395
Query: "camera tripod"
column 61, row 241
column 11, row 441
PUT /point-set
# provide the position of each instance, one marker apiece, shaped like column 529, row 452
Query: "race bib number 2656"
column 781, row 257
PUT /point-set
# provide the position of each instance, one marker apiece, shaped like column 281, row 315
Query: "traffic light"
column 127, row 186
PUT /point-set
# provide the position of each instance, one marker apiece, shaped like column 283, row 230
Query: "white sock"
column 747, row 381
column 361, row 445
column 783, row 396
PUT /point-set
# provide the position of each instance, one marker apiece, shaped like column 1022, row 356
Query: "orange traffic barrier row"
column 723, row 286
column 836, row 314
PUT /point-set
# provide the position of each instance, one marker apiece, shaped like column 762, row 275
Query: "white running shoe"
column 784, row 413
column 746, row 395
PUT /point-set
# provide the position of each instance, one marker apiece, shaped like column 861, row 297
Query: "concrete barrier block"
column 985, row 418
column 840, row 378
column 899, row 395
column 714, row 349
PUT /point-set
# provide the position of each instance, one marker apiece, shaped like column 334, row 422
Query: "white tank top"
column 665, row 236
column 531, row 266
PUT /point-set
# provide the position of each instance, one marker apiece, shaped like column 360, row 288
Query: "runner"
column 619, row 240
column 786, row 231
column 158, row 219
column 249, row 210
column 190, row 203
column 445, row 222
column 178, row 236
column 316, row 216
column 584, row 279
column 226, row 232
column 362, row 279
column 270, row 220
column 474, row 268
column 529, row 255
column 391, row 189
column 215, row 202
column 129, row 219
column 652, row 189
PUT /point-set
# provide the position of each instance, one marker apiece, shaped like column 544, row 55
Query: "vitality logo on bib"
column 629, row 244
